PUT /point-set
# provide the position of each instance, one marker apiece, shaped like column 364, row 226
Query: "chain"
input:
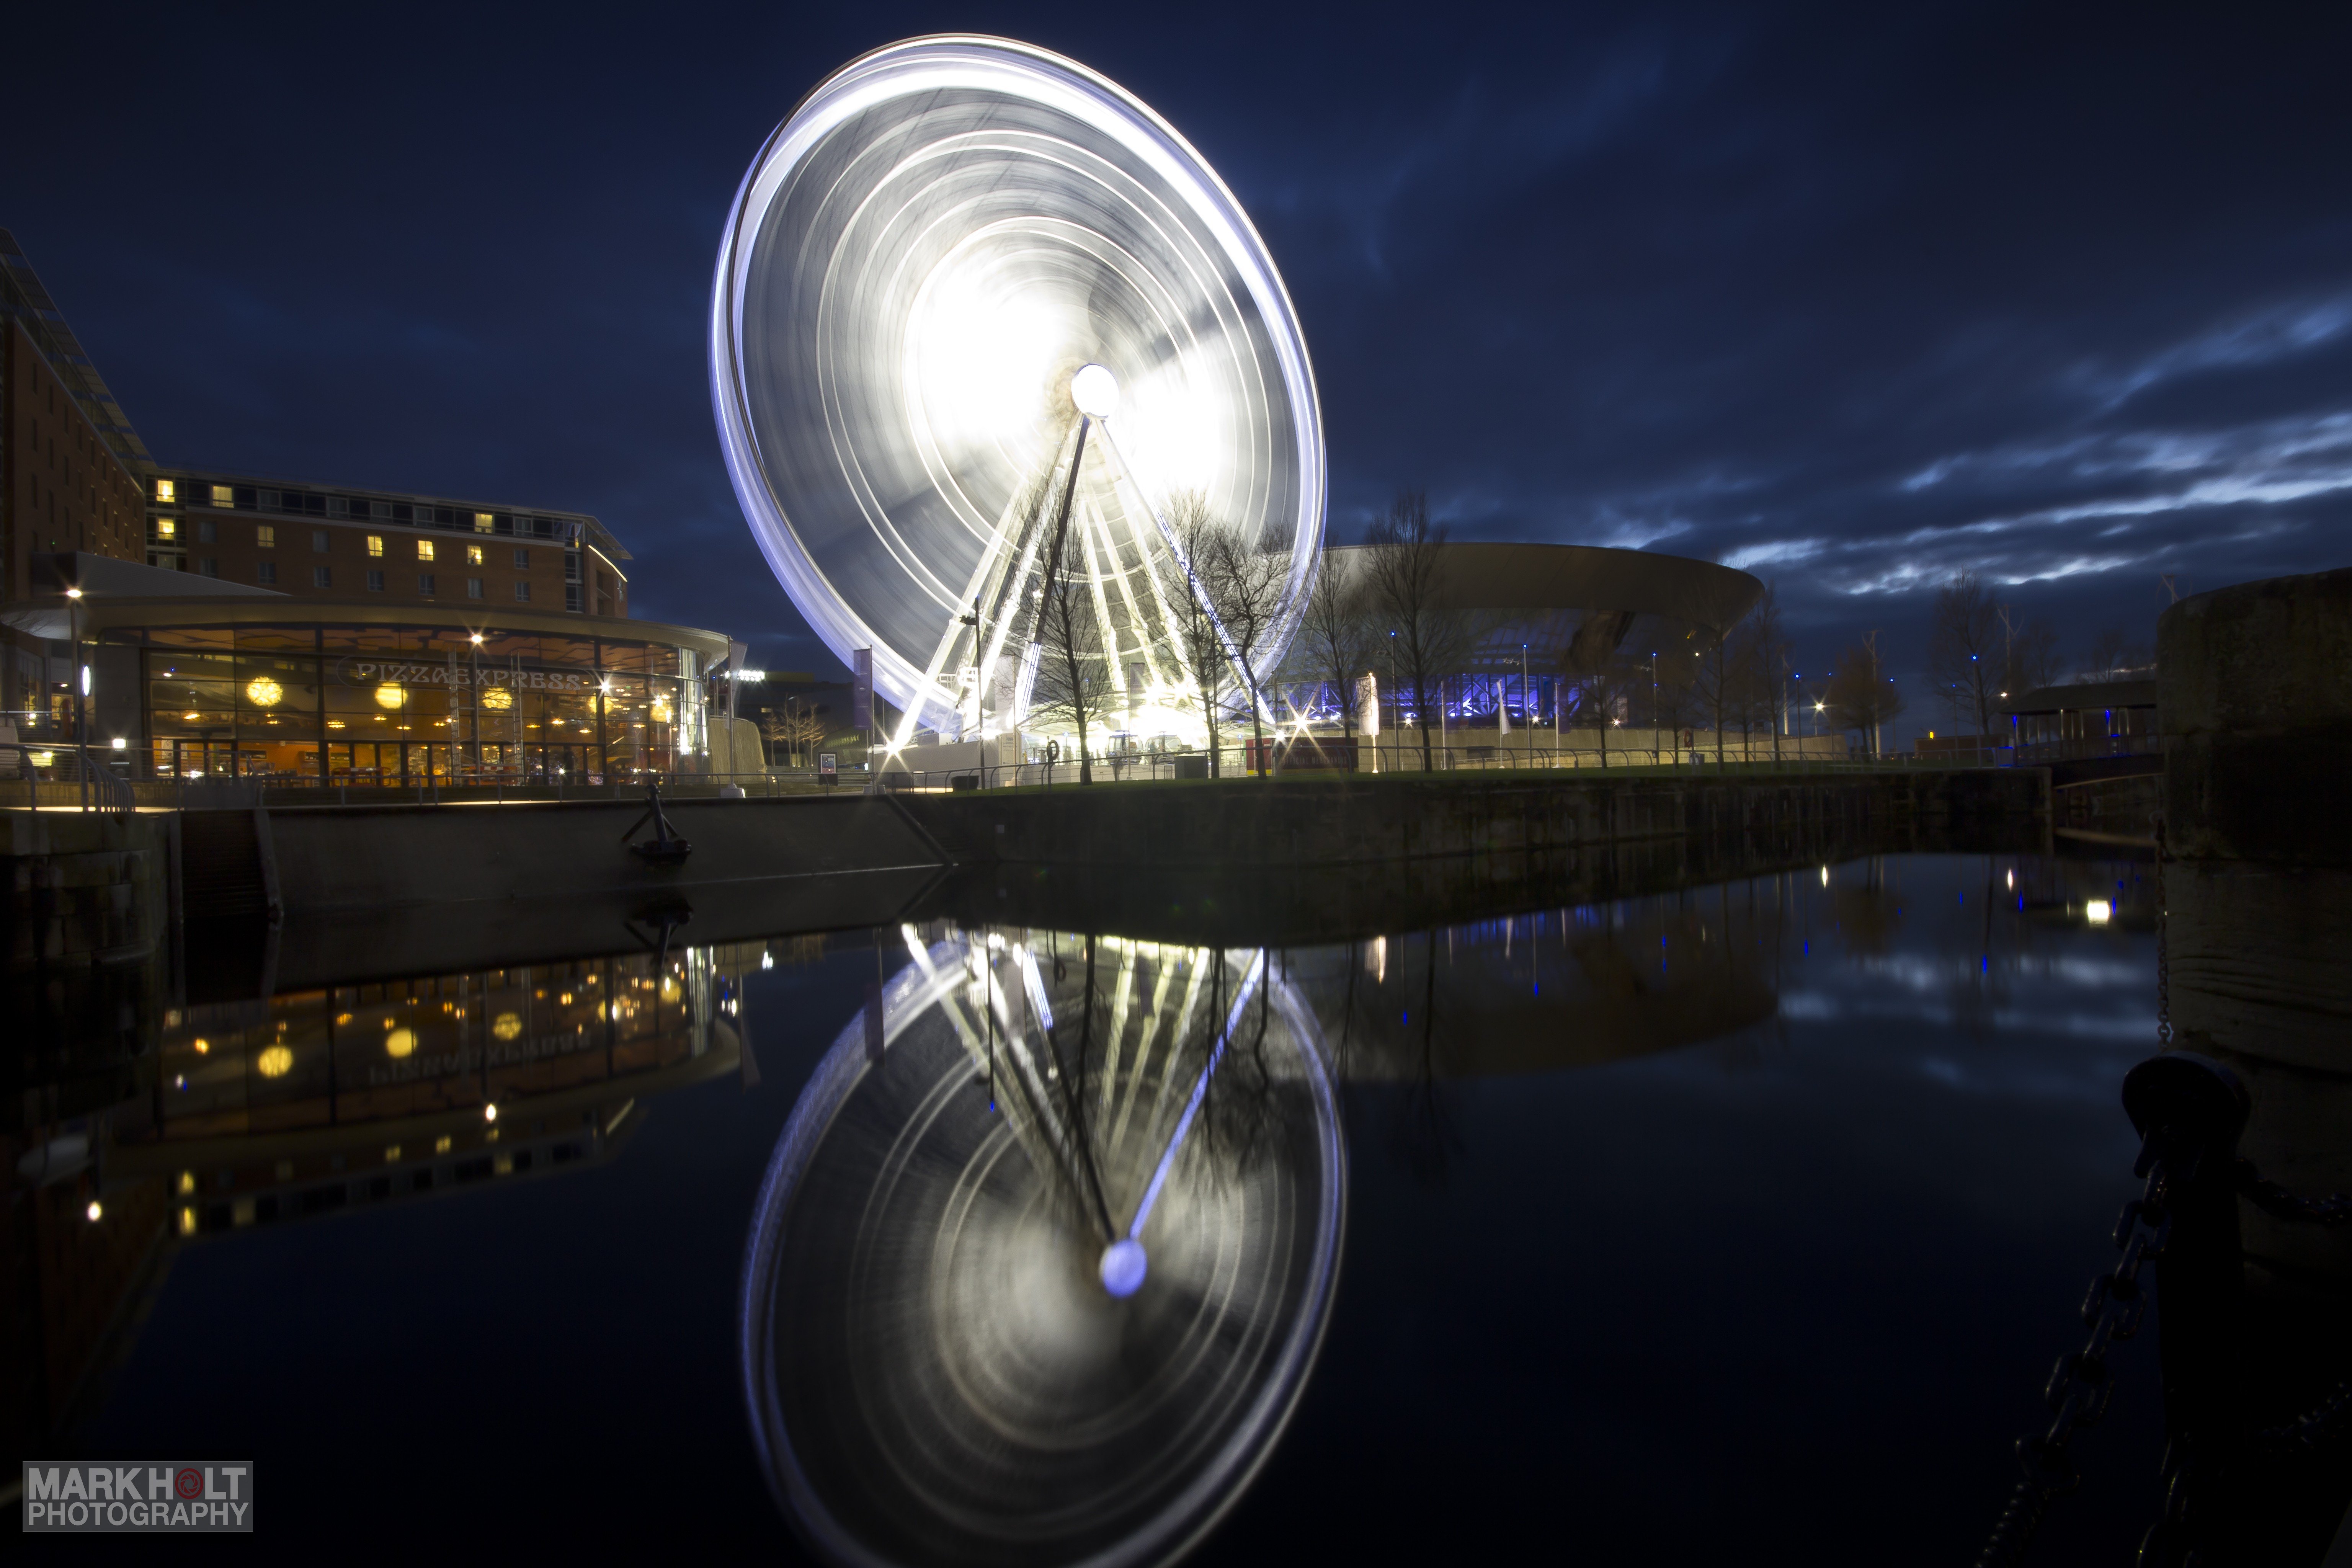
column 2271, row 1199
column 2081, row 1385
column 2329, row 1422
column 2163, row 949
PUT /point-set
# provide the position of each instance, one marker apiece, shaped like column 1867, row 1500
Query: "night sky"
column 1854, row 300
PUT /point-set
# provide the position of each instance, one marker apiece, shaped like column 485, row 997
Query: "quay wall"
column 2254, row 688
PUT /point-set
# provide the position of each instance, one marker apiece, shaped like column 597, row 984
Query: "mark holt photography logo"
column 185, row 1496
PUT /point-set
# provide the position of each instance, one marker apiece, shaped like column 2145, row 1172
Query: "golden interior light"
column 399, row 1043
column 497, row 699
column 274, row 1062
column 507, row 1026
column 391, row 694
column 264, row 692
column 661, row 710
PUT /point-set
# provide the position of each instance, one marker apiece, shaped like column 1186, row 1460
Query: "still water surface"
column 1735, row 1223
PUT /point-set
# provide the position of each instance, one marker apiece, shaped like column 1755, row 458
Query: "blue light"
column 1123, row 1267
column 1404, row 1018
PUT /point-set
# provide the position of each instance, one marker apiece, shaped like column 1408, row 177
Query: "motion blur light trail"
column 944, row 1363
column 943, row 235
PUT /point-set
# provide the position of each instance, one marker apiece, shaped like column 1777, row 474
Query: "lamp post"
column 1396, row 702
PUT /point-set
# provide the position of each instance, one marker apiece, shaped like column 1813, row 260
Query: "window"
column 571, row 596
column 473, row 555
column 375, row 546
column 381, row 511
column 473, row 587
column 319, row 540
column 572, row 565
column 166, row 491
column 209, row 565
column 265, row 537
column 322, row 576
column 481, row 522
column 207, row 531
column 522, row 592
column 424, row 581
column 375, row 581
column 265, row 573
column 165, row 527
column 425, row 550
column 522, row 560
column 224, row 496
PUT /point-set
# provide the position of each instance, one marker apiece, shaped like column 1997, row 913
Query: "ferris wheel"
column 967, row 274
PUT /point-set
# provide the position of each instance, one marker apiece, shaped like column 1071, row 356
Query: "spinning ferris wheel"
column 965, row 274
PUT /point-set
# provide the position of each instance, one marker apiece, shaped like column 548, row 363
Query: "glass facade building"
column 332, row 697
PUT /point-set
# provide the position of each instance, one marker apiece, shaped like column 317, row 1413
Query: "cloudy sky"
column 1854, row 299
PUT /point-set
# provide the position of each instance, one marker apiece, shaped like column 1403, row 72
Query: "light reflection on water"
column 1628, row 1220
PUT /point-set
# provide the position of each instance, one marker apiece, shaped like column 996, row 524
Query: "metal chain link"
column 2271, row 1199
column 2330, row 1422
column 2081, row 1385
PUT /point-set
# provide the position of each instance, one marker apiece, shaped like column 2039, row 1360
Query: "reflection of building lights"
column 41, row 759
column 2099, row 911
column 391, row 694
column 202, row 1046
column 2012, row 879
column 263, row 693
column 188, row 717
column 1825, row 875
column 489, row 1112
column 497, row 699
column 668, row 989
column 399, row 1043
column 96, row 1210
column 565, row 999
column 661, row 710
column 507, row 1026
column 187, row 1222
column 187, row 1181
column 274, row 1062
column 441, row 1144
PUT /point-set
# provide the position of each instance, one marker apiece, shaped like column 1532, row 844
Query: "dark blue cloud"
column 1857, row 298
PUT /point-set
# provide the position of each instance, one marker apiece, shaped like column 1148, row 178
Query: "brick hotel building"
column 184, row 621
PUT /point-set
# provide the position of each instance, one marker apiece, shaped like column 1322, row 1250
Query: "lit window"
column 322, row 576
column 319, row 540
column 481, row 522
column 375, row 581
column 522, row 592
column 165, row 490
column 265, row 537
column 473, row 555
column 473, row 587
column 376, row 545
column 424, row 581
column 522, row 560
column 266, row 573
column 165, row 527
column 224, row 496
column 425, row 550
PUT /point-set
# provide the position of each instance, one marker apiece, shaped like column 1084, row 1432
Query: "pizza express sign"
column 378, row 672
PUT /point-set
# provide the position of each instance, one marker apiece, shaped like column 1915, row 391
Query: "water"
column 1737, row 1223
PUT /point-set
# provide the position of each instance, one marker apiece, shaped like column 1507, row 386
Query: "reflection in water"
column 1045, row 1252
column 948, row 1355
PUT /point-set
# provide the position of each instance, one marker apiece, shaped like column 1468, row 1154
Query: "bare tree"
column 1073, row 673
column 1721, row 683
column 1965, row 649
column 1862, row 696
column 796, row 727
column 2029, row 657
column 1406, row 572
column 1767, row 667
column 2113, row 653
column 1191, row 595
column 1246, row 581
column 1335, row 634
